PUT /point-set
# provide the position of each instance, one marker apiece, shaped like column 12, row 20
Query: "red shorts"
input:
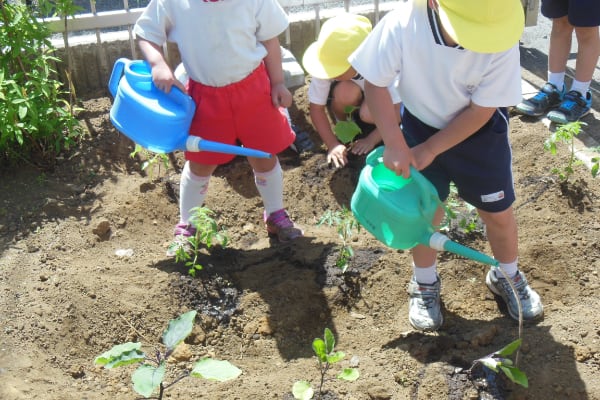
column 240, row 113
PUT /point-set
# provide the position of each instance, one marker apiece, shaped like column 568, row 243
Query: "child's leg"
column 268, row 177
column 560, row 46
column 269, row 182
column 345, row 93
column 192, row 188
column 588, row 51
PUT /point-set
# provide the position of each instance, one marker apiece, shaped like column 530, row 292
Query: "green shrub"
column 36, row 120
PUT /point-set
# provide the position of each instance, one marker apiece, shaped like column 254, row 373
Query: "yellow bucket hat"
column 327, row 58
column 483, row 26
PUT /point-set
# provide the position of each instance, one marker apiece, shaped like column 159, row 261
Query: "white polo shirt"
column 219, row 41
column 436, row 82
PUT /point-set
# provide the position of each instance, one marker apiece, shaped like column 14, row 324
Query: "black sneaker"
column 573, row 107
column 548, row 97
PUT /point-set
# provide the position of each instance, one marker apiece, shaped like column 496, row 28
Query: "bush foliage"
column 37, row 119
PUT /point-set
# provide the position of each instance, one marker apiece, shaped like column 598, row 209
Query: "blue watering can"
column 399, row 211
column 156, row 120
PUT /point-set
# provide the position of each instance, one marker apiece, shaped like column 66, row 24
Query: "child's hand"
column 163, row 78
column 281, row 96
column 337, row 156
column 363, row 146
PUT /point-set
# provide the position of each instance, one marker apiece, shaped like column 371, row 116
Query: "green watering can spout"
column 399, row 212
column 441, row 242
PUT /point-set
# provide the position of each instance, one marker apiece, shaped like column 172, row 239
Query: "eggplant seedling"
column 345, row 224
column 151, row 373
column 324, row 350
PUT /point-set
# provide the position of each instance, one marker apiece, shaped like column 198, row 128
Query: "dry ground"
column 65, row 296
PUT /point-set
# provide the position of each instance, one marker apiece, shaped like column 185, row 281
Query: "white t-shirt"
column 318, row 90
column 436, row 82
column 219, row 41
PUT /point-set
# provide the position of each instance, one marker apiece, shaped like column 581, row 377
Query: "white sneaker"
column 530, row 300
column 424, row 307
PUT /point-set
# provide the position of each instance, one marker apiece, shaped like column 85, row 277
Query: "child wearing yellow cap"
column 457, row 66
column 335, row 84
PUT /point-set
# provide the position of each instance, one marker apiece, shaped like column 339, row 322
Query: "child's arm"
column 162, row 76
column 336, row 151
column 279, row 93
column 397, row 155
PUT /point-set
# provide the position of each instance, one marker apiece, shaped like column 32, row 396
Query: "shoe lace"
column 427, row 295
column 520, row 284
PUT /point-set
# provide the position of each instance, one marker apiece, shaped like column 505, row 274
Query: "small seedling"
column 347, row 130
column 459, row 210
column 345, row 224
column 151, row 373
column 324, row 350
column 498, row 362
column 151, row 159
column 207, row 235
column 566, row 133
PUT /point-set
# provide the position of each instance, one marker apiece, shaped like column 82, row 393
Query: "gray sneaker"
column 424, row 307
column 530, row 300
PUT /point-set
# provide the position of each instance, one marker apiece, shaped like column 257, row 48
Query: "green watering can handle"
column 429, row 194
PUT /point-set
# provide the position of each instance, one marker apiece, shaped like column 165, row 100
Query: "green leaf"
column 22, row 112
column 302, row 390
column 318, row 346
column 215, row 370
column 346, row 131
column 509, row 348
column 178, row 329
column 121, row 354
column 515, row 375
column 349, row 374
column 329, row 341
column 147, row 378
column 332, row 358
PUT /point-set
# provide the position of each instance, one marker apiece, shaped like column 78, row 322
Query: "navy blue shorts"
column 480, row 166
column 582, row 13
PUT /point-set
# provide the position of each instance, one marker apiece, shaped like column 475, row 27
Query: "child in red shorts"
column 230, row 50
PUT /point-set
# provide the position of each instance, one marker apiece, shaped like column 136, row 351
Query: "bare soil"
column 66, row 296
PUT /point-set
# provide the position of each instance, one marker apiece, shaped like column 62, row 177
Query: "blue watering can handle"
column 117, row 73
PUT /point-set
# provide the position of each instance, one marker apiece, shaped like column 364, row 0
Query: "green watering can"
column 399, row 211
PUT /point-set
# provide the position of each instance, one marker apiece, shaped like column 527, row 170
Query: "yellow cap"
column 483, row 26
column 327, row 58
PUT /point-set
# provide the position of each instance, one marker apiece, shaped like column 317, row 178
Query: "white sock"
column 509, row 269
column 426, row 275
column 557, row 79
column 581, row 87
column 192, row 191
column 270, row 187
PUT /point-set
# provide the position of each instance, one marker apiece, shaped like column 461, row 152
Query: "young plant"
column 498, row 362
column 324, row 350
column 347, row 130
column 151, row 159
column 207, row 235
column 459, row 210
column 151, row 373
column 345, row 224
column 566, row 133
